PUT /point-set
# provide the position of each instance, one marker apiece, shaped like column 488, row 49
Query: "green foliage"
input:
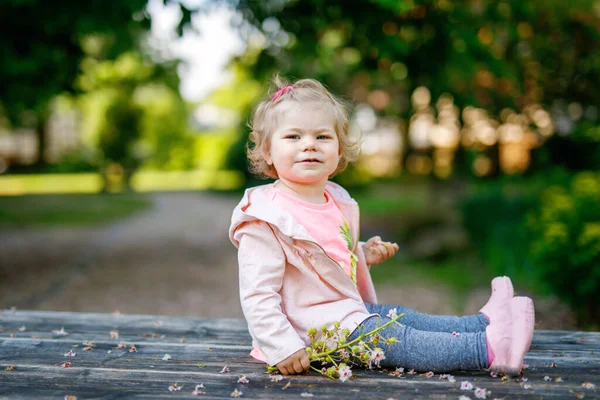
column 486, row 53
column 544, row 232
column 566, row 244
column 132, row 117
column 493, row 214
column 43, row 45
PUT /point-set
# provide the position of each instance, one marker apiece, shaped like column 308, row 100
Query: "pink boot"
column 523, row 322
column 502, row 292
column 499, row 339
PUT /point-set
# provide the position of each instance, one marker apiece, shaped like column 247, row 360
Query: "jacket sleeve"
column 363, row 276
column 262, row 265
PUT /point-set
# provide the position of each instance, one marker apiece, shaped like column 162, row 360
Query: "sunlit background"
column 123, row 127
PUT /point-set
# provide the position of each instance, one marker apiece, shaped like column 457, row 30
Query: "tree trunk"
column 40, row 130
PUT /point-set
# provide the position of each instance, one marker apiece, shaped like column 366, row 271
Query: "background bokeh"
column 123, row 126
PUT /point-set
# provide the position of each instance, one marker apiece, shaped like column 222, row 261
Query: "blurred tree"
column 131, row 115
column 487, row 53
column 42, row 44
column 490, row 54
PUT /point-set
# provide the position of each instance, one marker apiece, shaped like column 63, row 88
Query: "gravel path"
column 174, row 259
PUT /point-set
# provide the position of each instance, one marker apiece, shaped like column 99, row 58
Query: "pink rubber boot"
column 523, row 323
column 502, row 292
column 499, row 338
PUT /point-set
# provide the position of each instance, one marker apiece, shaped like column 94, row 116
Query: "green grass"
column 71, row 209
column 386, row 199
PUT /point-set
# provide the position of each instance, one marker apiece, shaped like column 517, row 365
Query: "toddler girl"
column 301, row 264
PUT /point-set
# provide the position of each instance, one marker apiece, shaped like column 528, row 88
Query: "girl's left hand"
column 377, row 251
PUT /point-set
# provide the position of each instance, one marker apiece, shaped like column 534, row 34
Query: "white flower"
column 429, row 374
column 109, row 352
column 71, row 353
column 114, row 334
column 225, row 369
column 376, row 356
column 411, row 372
column 547, row 378
column 393, row 313
column 345, row 373
column 174, row 388
column 243, row 379
column 236, row 393
column 463, row 397
column 481, row 393
column 306, row 394
column 331, row 343
column 466, row 385
column 451, row 379
column 558, row 379
column 166, row 357
column 527, row 386
column 22, row 329
column 60, row 332
column 197, row 391
column 588, row 385
column 493, row 374
column 455, row 334
column 276, row 378
column 344, row 353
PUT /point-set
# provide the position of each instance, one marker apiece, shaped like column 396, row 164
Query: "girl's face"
column 304, row 146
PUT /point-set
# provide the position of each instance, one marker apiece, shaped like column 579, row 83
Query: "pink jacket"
column 287, row 282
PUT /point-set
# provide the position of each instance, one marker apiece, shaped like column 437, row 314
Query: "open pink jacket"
column 287, row 282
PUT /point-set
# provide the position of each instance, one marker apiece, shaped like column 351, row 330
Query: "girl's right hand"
column 377, row 251
column 295, row 364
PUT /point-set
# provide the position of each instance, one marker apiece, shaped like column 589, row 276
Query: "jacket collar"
column 256, row 204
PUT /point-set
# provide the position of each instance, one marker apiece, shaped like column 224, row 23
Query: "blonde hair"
column 266, row 116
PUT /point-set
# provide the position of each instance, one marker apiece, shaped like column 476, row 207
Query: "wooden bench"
column 33, row 348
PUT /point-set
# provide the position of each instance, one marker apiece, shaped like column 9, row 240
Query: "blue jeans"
column 426, row 343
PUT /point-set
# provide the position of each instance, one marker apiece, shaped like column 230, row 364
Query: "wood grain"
column 200, row 348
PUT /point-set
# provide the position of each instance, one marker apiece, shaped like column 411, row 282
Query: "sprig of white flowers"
column 336, row 353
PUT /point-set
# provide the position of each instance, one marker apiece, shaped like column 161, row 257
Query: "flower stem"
column 332, row 360
column 358, row 339
column 316, row 370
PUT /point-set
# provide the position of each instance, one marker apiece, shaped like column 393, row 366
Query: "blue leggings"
column 426, row 343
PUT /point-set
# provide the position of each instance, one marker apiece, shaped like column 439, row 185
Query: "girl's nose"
column 309, row 143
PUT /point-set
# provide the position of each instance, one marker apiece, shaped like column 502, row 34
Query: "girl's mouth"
column 310, row 160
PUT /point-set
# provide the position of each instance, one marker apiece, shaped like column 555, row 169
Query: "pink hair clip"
column 281, row 91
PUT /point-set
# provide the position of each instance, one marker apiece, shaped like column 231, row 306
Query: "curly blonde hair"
column 267, row 113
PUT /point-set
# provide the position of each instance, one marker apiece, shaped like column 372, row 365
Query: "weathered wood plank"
column 98, row 326
column 37, row 354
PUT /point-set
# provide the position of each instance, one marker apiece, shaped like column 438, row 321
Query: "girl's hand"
column 377, row 251
column 295, row 364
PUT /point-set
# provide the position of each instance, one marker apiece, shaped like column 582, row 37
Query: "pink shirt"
column 325, row 223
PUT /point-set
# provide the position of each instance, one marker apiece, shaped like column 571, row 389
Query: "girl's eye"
column 292, row 137
column 323, row 137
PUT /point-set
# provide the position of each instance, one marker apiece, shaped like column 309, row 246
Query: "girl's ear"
column 267, row 156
